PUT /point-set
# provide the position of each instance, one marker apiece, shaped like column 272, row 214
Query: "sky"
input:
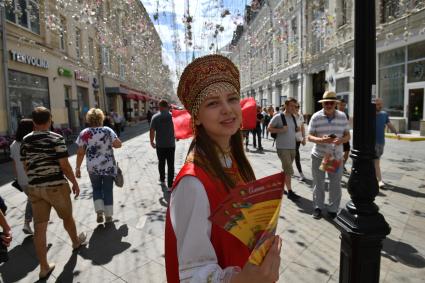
column 206, row 15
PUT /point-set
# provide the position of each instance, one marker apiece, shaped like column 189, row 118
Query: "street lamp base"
column 361, row 244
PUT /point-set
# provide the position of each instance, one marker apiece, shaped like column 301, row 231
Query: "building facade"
column 73, row 56
column 299, row 48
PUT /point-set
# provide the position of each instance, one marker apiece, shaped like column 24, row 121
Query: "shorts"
column 287, row 157
column 379, row 150
column 346, row 146
column 43, row 199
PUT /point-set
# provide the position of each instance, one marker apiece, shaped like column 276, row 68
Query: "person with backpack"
column 284, row 127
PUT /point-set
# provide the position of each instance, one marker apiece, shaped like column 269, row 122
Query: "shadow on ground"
column 104, row 236
column 404, row 191
column 401, row 252
column 22, row 261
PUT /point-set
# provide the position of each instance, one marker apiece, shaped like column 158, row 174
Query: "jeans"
column 166, row 154
column 102, row 193
column 257, row 133
column 265, row 132
column 298, row 158
column 319, row 186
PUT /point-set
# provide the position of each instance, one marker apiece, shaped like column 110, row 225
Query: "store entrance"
column 416, row 107
column 83, row 104
column 319, row 87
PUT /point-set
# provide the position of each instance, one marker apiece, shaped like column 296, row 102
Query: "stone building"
column 299, row 48
column 73, row 55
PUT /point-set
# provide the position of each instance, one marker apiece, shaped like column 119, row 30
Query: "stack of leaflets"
column 250, row 213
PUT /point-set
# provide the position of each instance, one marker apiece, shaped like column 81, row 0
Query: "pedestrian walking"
column 149, row 116
column 266, row 121
column 117, row 122
column 382, row 120
column 25, row 127
column 107, row 122
column 196, row 250
column 97, row 143
column 328, row 130
column 256, row 133
column 345, row 146
column 45, row 158
column 300, row 139
column 163, row 140
column 285, row 126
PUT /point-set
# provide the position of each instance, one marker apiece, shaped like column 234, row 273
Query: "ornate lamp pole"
column 362, row 227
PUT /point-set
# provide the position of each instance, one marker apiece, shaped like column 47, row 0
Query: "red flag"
column 249, row 113
column 183, row 125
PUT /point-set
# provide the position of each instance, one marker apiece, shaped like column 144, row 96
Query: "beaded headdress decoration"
column 206, row 75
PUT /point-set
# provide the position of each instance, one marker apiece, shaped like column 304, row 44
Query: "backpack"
column 274, row 135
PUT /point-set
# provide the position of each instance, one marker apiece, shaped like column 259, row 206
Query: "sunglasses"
column 329, row 103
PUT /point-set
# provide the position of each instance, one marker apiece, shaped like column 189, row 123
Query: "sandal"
column 46, row 274
column 81, row 241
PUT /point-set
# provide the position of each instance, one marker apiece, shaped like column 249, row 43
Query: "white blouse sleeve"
column 189, row 213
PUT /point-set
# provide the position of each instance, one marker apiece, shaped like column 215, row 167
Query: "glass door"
column 415, row 108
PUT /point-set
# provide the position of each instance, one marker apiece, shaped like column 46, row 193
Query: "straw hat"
column 199, row 76
column 329, row 96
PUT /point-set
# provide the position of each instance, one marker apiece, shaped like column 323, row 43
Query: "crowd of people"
column 195, row 249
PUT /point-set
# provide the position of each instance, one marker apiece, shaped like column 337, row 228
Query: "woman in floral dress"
column 97, row 142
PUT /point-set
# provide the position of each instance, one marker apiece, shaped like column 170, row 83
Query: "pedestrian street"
column 131, row 249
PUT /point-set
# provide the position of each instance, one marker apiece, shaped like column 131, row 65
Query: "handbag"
column 16, row 185
column 119, row 178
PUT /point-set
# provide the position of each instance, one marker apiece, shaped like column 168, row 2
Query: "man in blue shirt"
column 382, row 120
column 162, row 131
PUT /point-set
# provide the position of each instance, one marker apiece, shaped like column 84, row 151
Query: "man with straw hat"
column 328, row 129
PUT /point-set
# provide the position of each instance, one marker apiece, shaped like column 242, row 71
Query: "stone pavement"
column 131, row 249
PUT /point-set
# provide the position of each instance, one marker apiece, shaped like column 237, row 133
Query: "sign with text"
column 27, row 59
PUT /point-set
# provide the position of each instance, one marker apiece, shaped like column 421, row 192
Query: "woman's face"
column 221, row 115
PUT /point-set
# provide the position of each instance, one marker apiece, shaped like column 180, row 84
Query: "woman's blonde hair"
column 95, row 117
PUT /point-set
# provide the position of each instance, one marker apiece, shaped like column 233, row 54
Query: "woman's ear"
column 197, row 122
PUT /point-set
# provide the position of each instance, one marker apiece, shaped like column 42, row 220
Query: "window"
column 62, row 33
column 78, row 43
column 121, row 68
column 342, row 12
column 25, row 13
column 391, row 80
column 106, row 60
column 91, row 50
column 390, row 10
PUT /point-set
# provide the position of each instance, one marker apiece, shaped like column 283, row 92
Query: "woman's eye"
column 233, row 99
column 212, row 103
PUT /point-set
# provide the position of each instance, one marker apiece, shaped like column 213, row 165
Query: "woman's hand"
column 267, row 272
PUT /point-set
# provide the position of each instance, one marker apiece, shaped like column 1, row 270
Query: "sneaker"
column 82, row 237
column 381, row 184
column 27, row 229
column 260, row 149
column 293, row 196
column 302, row 177
column 108, row 219
column 331, row 215
column 99, row 218
column 317, row 213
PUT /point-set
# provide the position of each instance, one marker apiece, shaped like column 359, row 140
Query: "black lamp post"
column 362, row 227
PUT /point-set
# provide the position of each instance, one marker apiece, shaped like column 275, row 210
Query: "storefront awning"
column 116, row 90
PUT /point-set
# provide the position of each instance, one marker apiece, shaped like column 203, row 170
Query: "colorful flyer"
column 251, row 212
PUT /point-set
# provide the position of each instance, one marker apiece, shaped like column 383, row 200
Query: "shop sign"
column 81, row 77
column 30, row 60
column 65, row 72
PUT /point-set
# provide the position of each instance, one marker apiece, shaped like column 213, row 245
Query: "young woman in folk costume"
column 195, row 249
